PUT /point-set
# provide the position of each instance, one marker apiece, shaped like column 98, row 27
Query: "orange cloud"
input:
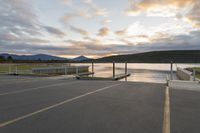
column 167, row 8
column 194, row 15
column 147, row 5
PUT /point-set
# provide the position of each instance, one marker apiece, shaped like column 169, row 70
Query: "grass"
column 4, row 68
column 197, row 71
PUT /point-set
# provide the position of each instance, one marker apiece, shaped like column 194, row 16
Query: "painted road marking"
column 36, row 88
column 166, row 119
column 54, row 106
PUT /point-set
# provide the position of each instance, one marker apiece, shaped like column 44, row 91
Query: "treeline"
column 8, row 59
column 177, row 56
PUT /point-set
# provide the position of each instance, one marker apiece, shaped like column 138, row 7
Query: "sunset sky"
column 96, row 28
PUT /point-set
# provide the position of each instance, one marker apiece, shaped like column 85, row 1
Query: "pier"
column 85, row 76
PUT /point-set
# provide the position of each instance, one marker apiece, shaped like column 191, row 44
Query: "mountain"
column 42, row 57
column 81, row 58
column 177, row 56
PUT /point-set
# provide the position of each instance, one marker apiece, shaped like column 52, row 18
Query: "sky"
column 96, row 28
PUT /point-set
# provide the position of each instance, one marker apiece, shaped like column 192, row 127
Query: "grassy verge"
column 197, row 71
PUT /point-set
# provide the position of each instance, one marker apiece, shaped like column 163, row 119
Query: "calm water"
column 140, row 72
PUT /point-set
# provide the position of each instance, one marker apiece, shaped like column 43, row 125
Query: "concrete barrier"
column 184, row 85
column 183, row 74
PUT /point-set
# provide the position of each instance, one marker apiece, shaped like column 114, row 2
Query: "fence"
column 26, row 68
column 61, row 70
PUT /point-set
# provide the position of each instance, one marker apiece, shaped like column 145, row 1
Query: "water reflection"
column 140, row 72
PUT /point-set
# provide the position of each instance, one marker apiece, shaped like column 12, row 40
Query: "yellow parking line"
column 166, row 119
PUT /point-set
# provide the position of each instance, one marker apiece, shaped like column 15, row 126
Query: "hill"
column 81, row 58
column 177, row 56
column 42, row 57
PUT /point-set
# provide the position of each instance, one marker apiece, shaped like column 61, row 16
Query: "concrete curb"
column 184, row 85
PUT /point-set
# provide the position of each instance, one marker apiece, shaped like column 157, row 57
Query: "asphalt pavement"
column 55, row 105
column 46, row 105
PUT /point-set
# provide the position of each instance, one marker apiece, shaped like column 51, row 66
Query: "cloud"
column 104, row 31
column 54, row 31
column 101, row 12
column 186, row 10
column 94, row 47
column 15, row 13
column 121, row 32
column 106, row 21
column 68, row 17
column 179, row 42
column 145, row 5
column 28, row 48
column 20, row 25
column 87, row 10
column 95, row 10
column 79, row 30
column 22, row 32
column 193, row 16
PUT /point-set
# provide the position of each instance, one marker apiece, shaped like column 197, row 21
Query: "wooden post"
column 92, row 69
column 194, row 74
column 113, row 69
column 171, row 70
column 92, row 66
column 125, row 67
column 126, row 70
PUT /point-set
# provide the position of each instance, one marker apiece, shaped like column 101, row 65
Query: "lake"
column 140, row 72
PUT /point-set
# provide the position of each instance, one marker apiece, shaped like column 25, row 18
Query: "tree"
column 10, row 58
column 2, row 58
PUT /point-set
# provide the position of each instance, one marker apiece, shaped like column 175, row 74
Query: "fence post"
column 92, row 66
column 16, row 69
column 9, row 69
column 76, row 70
column 65, row 70
column 113, row 69
column 171, row 70
column 194, row 74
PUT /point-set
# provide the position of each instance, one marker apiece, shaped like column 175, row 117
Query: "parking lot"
column 41, row 105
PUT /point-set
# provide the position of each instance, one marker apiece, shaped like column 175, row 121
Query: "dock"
column 114, row 76
column 117, row 77
column 79, row 75
column 121, row 76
